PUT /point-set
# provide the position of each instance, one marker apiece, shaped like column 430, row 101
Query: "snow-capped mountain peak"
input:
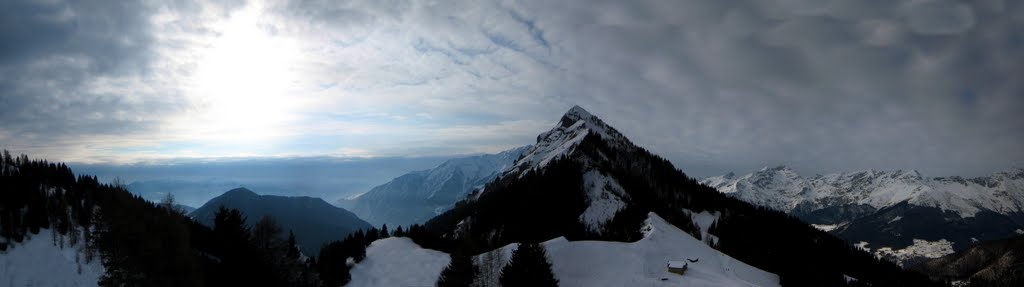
column 563, row 139
column 605, row 196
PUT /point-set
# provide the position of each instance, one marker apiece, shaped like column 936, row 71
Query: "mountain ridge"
column 897, row 213
column 1001, row 192
column 313, row 220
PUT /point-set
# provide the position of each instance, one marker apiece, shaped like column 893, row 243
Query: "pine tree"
column 384, row 232
column 169, row 203
column 460, row 272
column 293, row 246
column 529, row 266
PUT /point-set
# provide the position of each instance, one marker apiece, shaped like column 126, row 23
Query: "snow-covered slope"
column 37, row 261
column 644, row 262
column 783, row 189
column 400, row 262
column 605, row 198
column 417, row 196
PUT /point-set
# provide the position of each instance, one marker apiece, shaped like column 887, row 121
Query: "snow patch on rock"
column 827, row 227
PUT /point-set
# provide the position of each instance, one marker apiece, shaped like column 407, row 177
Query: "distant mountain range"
column 313, row 220
column 898, row 214
column 417, row 196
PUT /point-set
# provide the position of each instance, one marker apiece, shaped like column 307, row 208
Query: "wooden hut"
column 677, row 267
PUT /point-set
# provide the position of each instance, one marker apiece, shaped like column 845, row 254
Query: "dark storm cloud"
column 822, row 85
column 49, row 53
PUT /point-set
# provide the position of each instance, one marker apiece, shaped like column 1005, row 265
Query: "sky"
column 714, row 86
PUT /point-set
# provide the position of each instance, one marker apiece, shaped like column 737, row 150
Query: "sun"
column 242, row 81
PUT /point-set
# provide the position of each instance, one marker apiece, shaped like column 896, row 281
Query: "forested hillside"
column 138, row 242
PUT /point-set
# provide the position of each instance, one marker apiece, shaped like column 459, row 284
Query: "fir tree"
column 529, row 266
column 460, row 272
column 293, row 246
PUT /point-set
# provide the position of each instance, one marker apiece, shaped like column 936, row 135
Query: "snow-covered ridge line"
column 783, row 189
column 562, row 140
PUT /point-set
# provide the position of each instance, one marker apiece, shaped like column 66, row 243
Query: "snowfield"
column 704, row 220
column 38, row 262
column 400, row 262
column 397, row 261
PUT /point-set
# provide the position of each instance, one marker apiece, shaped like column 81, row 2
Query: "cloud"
column 940, row 17
column 824, row 87
column 83, row 78
column 712, row 85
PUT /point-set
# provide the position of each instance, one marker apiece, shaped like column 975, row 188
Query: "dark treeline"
column 138, row 242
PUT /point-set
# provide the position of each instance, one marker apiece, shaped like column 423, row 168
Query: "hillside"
column 992, row 263
column 62, row 229
column 313, row 220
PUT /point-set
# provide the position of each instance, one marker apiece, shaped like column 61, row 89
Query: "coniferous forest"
column 139, row 242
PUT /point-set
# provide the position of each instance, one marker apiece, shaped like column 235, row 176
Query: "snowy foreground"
column 38, row 262
column 399, row 262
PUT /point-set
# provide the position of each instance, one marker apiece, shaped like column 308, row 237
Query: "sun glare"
column 241, row 84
